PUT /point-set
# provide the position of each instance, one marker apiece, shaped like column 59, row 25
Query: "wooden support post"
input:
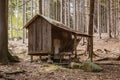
column 31, row 58
column 60, row 58
column 75, row 45
column 40, row 58
column 90, row 48
column 69, row 57
column 90, row 29
column 49, row 59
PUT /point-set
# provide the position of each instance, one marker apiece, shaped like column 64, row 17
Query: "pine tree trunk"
column 98, row 18
column 31, row 8
column 90, row 40
column 24, row 20
column 40, row 6
column 5, row 56
column 17, row 19
column 11, row 24
column 110, row 16
column 74, row 16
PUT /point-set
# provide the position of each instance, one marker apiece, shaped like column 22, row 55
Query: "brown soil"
column 44, row 71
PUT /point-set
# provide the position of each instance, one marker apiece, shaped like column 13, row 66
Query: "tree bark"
column 5, row 56
column 90, row 40
column 110, row 14
column 24, row 20
column 98, row 18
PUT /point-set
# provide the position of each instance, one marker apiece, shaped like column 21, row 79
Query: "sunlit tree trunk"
column 17, row 19
column 108, row 23
column 98, row 18
column 11, row 22
column 74, row 15
column 24, row 20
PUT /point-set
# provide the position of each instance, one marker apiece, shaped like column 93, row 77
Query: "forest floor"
column 24, row 70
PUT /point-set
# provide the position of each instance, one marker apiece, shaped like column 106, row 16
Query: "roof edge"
column 30, row 21
column 49, row 21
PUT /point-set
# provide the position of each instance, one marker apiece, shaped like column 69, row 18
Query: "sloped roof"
column 57, row 24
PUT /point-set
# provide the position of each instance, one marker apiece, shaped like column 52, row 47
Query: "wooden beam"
column 75, row 45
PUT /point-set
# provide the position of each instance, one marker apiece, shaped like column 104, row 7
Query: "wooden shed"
column 47, row 36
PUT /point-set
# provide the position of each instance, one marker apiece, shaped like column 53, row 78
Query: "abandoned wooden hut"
column 50, row 37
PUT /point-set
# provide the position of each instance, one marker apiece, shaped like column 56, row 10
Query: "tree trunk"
column 90, row 40
column 74, row 15
column 5, row 56
column 17, row 20
column 24, row 20
column 86, row 15
column 98, row 18
column 61, row 11
column 110, row 14
column 11, row 22
column 32, row 8
column 108, row 23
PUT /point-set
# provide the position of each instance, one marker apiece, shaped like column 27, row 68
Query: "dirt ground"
column 25, row 70
column 43, row 71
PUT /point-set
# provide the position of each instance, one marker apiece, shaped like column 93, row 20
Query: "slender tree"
column 11, row 21
column 98, row 18
column 90, row 30
column 24, row 20
column 110, row 14
column 31, row 8
column 16, row 14
column 40, row 6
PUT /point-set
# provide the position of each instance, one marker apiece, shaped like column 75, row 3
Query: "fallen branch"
column 15, row 72
column 5, row 77
column 106, row 58
column 8, row 78
column 102, row 59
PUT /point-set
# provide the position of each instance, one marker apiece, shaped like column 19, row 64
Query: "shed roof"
column 56, row 24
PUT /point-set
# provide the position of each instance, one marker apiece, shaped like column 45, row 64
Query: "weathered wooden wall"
column 39, row 37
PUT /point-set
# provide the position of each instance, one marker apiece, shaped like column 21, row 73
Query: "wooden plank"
column 43, row 33
column 34, row 37
column 30, row 40
column 38, row 34
column 48, row 37
column 49, row 40
column 45, row 36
